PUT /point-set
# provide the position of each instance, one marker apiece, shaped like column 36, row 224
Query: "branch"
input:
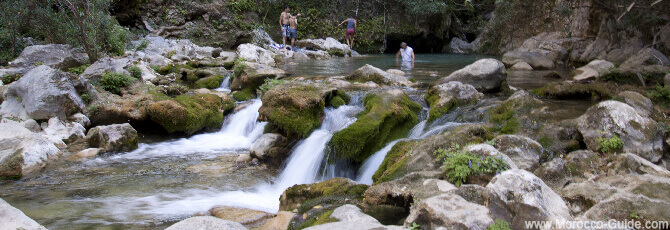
column 627, row 10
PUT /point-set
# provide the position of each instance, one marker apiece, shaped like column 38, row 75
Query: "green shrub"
column 86, row 98
column 269, row 83
column 609, row 145
column 499, row 225
column 239, row 66
column 660, row 93
column 78, row 70
column 112, row 81
column 460, row 164
column 135, row 72
column 211, row 82
column 142, row 46
column 7, row 79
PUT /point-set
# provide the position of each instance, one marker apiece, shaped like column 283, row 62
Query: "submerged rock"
column 640, row 134
column 113, row 138
column 13, row 218
column 486, row 75
column 205, row 222
column 387, row 116
column 190, row 113
column 54, row 55
column 443, row 97
column 41, row 94
column 370, row 73
column 269, row 147
column 449, row 211
column 22, row 151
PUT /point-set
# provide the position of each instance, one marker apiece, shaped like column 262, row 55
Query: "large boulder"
column 13, row 218
column 303, row 196
column 449, row 211
column 410, row 187
column 646, row 56
column 254, row 75
column 41, row 94
column 486, row 75
column 387, row 116
column 441, row 98
column 459, row 46
column 269, row 147
column 190, row 113
column 295, row 108
column 205, row 222
column 593, row 71
column 106, row 64
column 525, row 197
column 642, row 104
column 524, row 152
column 536, row 60
column 351, row 217
column 253, row 53
column 22, row 151
column 54, row 55
column 640, row 134
column 376, row 75
column 333, row 46
column 113, row 138
column 624, row 206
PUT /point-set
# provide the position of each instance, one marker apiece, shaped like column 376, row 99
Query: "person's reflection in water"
column 407, row 65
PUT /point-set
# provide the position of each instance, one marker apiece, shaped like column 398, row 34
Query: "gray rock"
column 376, row 75
column 43, row 93
column 449, row 211
column 459, row 46
column 13, row 218
column 81, row 119
column 253, row 53
column 629, row 163
column 57, row 131
column 622, row 205
column 593, row 70
column 521, row 66
column 553, row 173
column 488, row 150
column 351, row 213
column 524, row 151
column 261, row 147
column 54, row 55
column 535, row 59
column 412, row 186
column 486, row 75
column 32, row 125
column 113, row 138
column 206, row 222
column 330, row 44
column 106, row 64
column 443, row 97
column 343, row 225
column 355, row 54
column 642, row 104
column 527, row 198
column 87, row 153
column 318, row 55
column 647, row 56
column 254, row 75
column 640, row 134
column 22, row 151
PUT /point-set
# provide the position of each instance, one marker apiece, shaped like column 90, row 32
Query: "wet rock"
column 269, row 147
column 190, row 113
column 279, row 222
column 337, row 189
column 459, row 46
column 395, row 72
column 351, row 213
column 535, row 59
column 449, row 211
column 640, row 135
column 54, row 55
column 521, row 66
column 526, row 198
column 318, row 55
column 254, row 75
column 295, row 108
column 243, row 216
column 113, row 138
column 403, row 191
column 22, row 151
column 524, row 152
column 56, row 97
column 486, row 75
column 243, row 159
column 58, row 131
column 87, row 153
column 642, row 104
column 13, row 218
column 443, row 97
column 205, row 222
column 387, row 116
column 253, row 53
column 376, row 75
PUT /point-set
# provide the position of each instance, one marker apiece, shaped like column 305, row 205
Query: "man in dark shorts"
column 293, row 29
column 352, row 26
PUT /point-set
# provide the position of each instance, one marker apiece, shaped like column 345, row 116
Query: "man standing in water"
column 407, row 54
column 284, row 22
column 352, row 26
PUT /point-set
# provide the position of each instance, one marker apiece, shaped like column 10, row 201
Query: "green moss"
column 390, row 168
column 338, row 53
column 510, row 127
column 499, row 225
column 188, row 113
column 135, row 72
column 211, row 82
column 295, row 120
column 336, row 102
column 8, row 79
column 296, row 109
column 113, row 82
column 243, row 95
column 164, row 70
column 386, row 117
column 333, row 191
column 323, row 218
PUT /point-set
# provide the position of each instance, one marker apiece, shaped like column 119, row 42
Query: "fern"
column 460, row 164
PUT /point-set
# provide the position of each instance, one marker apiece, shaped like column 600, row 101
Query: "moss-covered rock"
column 189, row 113
column 295, row 108
column 387, row 116
column 211, row 82
column 339, row 99
column 249, row 75
column 243, row 95
column 306, row 196
column 443, row 97
column 595, row 90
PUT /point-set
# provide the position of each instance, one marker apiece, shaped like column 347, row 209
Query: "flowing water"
column 225, row 84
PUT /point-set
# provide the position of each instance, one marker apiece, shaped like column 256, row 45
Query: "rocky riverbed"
column 249, row 142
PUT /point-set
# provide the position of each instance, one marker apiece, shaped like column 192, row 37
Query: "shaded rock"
column 376, row 75
column 190, row 113
column 337, row 189
column 593, row 70
column 13, row 218
column 459, row 46
column 524, row 151
column 32, row 125
column 205, row 222
column 527, row 198
column 113, row 138
column 22, row 151
column 387, row 116
column 351, row 213
column 279, row 222
column 449, row 211
column 640, row 135
column 269, row 147
column 535, row 59
column 628, row 163
column 620, row 206
column 582, row 196
column 441, row 98
column 403, row 191
column 253, row 53
column 645, row 57
column 41, row 94
column 486, row 75
column 642, row 104
column 240, row 215
column 81, row 119
column 521, row 66
column 254, row 75
column 666, row 79
column 582, row 163
column 54, row 55
column 553, row 173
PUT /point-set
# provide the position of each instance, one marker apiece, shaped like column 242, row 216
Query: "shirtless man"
column 293, row 29
column 284, row 22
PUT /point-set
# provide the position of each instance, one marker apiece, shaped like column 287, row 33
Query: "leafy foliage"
column 78, row 70
column 269, row 83
column 7, row 79
column 460, row 164
column 112, row 81
column 609, row 145
column 135, row 72
column 499, row 225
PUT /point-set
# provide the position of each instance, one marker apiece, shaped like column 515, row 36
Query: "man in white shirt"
column 406, row 52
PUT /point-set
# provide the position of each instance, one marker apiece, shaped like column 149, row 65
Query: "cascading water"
column 225, row 84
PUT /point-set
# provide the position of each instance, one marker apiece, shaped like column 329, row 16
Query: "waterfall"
column 225, row 84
